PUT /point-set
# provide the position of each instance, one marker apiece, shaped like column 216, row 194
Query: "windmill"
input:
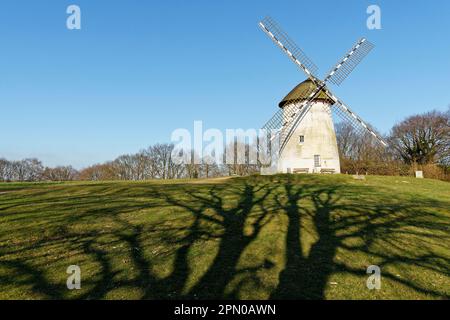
column 303, row 125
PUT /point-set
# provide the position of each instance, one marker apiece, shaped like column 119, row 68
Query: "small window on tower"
column 302, row 139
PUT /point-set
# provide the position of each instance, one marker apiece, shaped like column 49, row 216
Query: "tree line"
column 420, row 142
column 155, row 162
column 33, row 170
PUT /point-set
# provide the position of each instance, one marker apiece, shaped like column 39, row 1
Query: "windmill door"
column 317, row 163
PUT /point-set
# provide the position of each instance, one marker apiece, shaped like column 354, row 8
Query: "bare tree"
column 7, row 170
column 239, row 159
column 4, row 169
column 124, row 166
column 61, row 173
column 150, row 169
column 23, row 170
column 98, row 172
column 209, row 167
column 423, row 139
column 191, row 169
column 33, row 169
column 361, row 153
column 164, row 165
column 163, row 154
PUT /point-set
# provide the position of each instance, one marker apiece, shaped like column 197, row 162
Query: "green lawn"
column 280, row 237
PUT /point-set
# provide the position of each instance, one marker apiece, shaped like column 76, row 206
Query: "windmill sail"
column 359, row 125
column 282, row 40
column 342, row 70
column 286, row 120
column 282, row 118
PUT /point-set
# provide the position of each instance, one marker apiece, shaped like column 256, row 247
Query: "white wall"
column 320, row 139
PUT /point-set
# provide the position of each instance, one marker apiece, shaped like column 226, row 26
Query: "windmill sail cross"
column 297, row 108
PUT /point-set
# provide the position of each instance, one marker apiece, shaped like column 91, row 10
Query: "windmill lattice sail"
column 302, row 112
column 343, row 112
column 281, row 119
column 343, row 69
column 282, row 40
column 285, row 119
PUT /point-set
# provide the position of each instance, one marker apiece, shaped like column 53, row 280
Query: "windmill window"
column 301, row 139
column 316, row 160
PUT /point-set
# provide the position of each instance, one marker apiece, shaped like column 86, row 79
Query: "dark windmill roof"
column 302, row 91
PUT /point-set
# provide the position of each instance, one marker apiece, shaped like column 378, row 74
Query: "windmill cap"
column 302, row 91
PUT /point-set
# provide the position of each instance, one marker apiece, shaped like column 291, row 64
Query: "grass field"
column 286, row 237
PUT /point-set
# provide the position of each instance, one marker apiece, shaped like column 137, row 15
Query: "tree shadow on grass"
column 230, row 223
column 305, row 277
column 231, row 218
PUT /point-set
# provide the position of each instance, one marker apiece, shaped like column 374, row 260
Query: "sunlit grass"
column 286, row 237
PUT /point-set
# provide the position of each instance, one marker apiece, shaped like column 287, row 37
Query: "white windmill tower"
column 303, row 125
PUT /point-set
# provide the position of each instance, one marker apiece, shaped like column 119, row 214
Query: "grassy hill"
column 304, row 236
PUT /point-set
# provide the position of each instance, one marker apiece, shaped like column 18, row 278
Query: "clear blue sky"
column 137, row 70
